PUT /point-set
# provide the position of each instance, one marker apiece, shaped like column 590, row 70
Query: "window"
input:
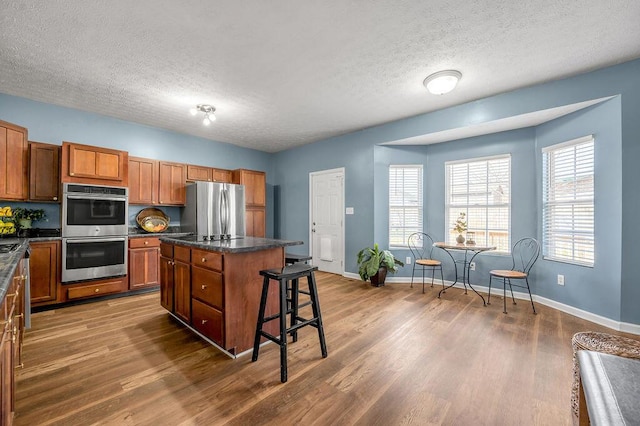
column 405, row 203
column 480, row 188
column 567, row 202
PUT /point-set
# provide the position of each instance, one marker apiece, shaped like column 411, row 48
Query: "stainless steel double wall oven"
column 94, row 231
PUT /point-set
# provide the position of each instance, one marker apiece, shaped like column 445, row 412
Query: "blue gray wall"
column 610, row 289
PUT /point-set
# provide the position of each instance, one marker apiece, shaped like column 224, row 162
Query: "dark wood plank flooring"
column 396, row 356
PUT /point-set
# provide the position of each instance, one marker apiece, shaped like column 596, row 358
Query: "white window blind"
column 567, row 203
column 480, row 188
column 405, row 203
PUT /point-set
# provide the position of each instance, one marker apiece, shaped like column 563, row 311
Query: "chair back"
column 421, row 245
column 525, row 252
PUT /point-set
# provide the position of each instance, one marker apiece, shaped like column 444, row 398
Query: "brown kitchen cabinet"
column 44, row 266
column 255, row 222
column 166, row 276
column 144, row 262
column 176, row 275
column 94, row 165
column 208, row 174
column 11, row 336
column 14, row 152
column 143, row 181
column 96, row 288
column 44, row 172
column 255, row 200
column 222, row 175
column 172, row 178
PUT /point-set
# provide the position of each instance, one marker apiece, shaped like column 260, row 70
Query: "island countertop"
column 9, row 262
column 236, row 245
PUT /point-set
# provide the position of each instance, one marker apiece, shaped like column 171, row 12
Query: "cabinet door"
column 92, row 162
column 143, row 181
column 44, row 172
column 172, row 183
column 144, row 267
column 255, row 186
column 255, row 222
column 13, row 162
column 221, row 175
column 166, row 283
column 44, row 271
column 198, row 173
column 208, row 321
column 182, row 287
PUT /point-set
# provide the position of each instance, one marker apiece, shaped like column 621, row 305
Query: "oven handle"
column 95, row 197
column 94, row 240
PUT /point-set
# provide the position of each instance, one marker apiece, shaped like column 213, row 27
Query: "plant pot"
column 377, row 280
column 460, row 239
column 25, row 223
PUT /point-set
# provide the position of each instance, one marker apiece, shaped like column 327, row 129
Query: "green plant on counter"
column 30, row 214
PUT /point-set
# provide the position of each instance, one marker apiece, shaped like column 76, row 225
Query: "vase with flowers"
column 460, row 226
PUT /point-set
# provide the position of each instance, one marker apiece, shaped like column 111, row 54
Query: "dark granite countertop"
column 9, row 262
column 239, row 245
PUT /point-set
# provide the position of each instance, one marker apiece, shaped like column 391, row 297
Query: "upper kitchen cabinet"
column 208, row 174
column 143, row 181
column 44, row 172
column 94, row 165
column 172, row 184
column 14, row 152
column 255, row 186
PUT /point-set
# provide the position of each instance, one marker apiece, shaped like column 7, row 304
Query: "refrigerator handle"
column 224, row 212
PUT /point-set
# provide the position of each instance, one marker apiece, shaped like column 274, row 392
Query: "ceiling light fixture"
column 442, row 82
column 208, row 111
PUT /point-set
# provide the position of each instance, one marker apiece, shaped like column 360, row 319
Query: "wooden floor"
column 396, row 356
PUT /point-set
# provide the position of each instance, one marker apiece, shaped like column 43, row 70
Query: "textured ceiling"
column 285, row 73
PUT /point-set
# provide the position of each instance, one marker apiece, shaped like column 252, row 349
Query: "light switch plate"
column 349, row 210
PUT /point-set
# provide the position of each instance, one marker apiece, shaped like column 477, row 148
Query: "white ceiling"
column 285, row 73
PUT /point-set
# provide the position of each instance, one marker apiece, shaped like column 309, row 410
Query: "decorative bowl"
column 152, row 220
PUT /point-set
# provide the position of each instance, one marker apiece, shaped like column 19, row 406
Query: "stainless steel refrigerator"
column 214, row 211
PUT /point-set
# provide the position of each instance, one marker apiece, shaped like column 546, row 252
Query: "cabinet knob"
column 97, row 290
column 71, row 174
column 204, row 286
column 55, row 198
column 204, row 259
column 204, row 321
column 146, row 243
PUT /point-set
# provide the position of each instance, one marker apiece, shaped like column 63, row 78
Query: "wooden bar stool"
column 289, row 305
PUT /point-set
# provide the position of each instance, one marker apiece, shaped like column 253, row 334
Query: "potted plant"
column 374, row 264
column 25, row 217
column 460, row 226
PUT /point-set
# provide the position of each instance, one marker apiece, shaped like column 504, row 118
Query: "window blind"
column 405, row 203
column 480, row 188
column 568, row 201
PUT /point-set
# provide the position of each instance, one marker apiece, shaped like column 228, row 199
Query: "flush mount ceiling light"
column 442, row 82
column 208, row 111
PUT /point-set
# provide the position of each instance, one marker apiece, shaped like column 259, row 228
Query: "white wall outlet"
column 349, row 210
column 472, row 266
column 408, row 260
column 560, row 279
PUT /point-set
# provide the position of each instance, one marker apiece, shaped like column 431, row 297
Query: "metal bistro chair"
column 421, row 246
column 524, row 254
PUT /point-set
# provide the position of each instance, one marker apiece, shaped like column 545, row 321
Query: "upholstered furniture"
column 600, row 342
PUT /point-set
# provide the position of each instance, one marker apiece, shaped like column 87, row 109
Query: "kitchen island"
column 213, row 287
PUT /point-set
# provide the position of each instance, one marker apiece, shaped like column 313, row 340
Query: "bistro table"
column 470, row 253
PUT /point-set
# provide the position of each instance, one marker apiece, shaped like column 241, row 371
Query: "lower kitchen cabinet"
column 182, row 283
column 44, row 268
column 144, row 262
column 208, row 321
column 11, row 335
column 96, row 288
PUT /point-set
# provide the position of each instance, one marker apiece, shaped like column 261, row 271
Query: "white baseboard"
column 580, row 313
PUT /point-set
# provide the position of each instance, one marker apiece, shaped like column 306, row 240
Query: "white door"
column 327, row 220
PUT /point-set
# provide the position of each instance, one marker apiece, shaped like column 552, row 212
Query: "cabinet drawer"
column 207, row 259
column 182, row 254
column 208, row 321
column 207, row 286
column 144, row 242
column 96, row 289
